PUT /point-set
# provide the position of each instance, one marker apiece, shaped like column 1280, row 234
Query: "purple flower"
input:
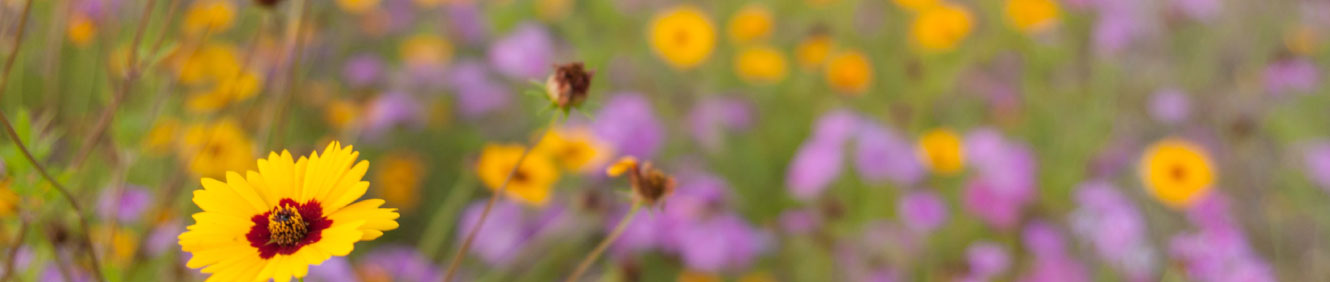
column 127, row 205
column 1218, row 250
column 164, row 238
column 1201, row 10
column 836, row 126
column 403, row 263
column 1170, row 106
column 1004, row 180
column 923, row 211
column 524, row 54
column 881, row 154
column 477, row 94
column 813, row 168
column 335, row 269
column 390, row 110
column 1119, row 25
column 1316, row 157
column 97, row 10
column 1109, row 222
column 466, row 21
column 799, row 222
column 52, row 273
column 1293, row 75
column 986, row 259
column 721, row 242
column 713, row 116
column 1051, row 262
column 23, row 258
column 628, row 122
column 502, row 237
column 362, row 70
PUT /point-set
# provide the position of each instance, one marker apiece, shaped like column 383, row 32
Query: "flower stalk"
column 604, row 244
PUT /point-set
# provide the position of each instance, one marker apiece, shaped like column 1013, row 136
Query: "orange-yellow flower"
column 682, row 36
column 530, row 184
column 942, row 151
column 1177, row 172
column 751, row 23
column 941, row 27
column 849, row 72
column 760, row 65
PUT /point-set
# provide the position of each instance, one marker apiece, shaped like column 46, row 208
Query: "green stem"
column 604, row 244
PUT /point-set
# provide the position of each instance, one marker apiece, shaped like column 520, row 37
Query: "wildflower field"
column 664, row 140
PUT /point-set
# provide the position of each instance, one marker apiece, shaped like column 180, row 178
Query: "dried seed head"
column 650, row 185
column 567, row 86
column 267, row 3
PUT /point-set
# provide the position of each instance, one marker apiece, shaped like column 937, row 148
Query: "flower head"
column 400, row 174
column 567, row 87
column 211, row 149
column 814, row 49
column 213, row 16
column 1032, row 16
column 682, row 36
column 940, row 27
column 574, row 149
column 760, row 65
column 290, row 214
column 650, row 185
column 530, row 183
column 1177, row 172
column 941, row 150
column 849, row 72
column 751, row 23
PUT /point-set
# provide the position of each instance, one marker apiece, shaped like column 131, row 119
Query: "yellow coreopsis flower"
column 213, row 16
column 400, row 174
column 1177, row 172
column 942, row 151
column 532, row 181
column 916, row 5
column 682, row 36
column 1032, row 16
column 209, row 63
column 214, row 148
column 80, row 30
column 941, row 27
column 760, row 65
column 751, row 23
column 849, row 72
column 162, row 137
column 358, row 6
column 274, row 223
column 574, row 149
column 813, row 51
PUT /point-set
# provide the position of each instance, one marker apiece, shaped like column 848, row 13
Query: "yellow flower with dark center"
column 574, row 149
column 358, row 6
column 400, row 174
column 80, row 30
column 941, row 150
column 760, row 65
column 941, row 27
column 813, row 51
column 749, row 24
column 426, row 49
column 849, row 72
column 532, row 181
column 213, row 16
column 1177, row 172
column 214, row 148
column 682, row 36
column 916, row 5
column 1032, row 16
column 162, row 137
column 274, row 223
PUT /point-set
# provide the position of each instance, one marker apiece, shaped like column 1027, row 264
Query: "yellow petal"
column 619, row 167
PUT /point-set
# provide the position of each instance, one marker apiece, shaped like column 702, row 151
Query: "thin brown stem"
column 13, row 252
column 131, row 76
column 604, row 244
column 494, row 197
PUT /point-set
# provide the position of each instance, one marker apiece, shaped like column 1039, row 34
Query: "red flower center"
column 287, row 227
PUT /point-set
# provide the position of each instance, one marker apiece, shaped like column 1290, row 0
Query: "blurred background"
column 811, row 140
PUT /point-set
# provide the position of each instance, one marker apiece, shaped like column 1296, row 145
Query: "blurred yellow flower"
column 916, row 5
column 211, row 149
column 751, row 23
column 574, row 149
column 682, row 36
column 941, row 27
column 813, row 51
column 1302, row 40
column 532, row 181
column 230, row 89
column 206, row 64
column 120, row 242
column 341, row 113
column 399, row 177
column 941, row 150
column 760, row 65
column 553, row 10
column 1177, row 172
column 213, row 16
column 80, row 30
column 358, row 6
column 162, row 137
column 849, row 72
column 8, row 200
column 1032, row 16
column 426, row 49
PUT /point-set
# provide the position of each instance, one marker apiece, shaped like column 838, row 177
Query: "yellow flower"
column 214, row 16
column 941, row 27
column 215, row 148
column 80, row 29
column 573, row 149
column 1302, row 40
column 553, row 10
column 814, row 50
column 120, row 242
column 751, row 23
column 917, row 5
column 400, row 174
column 1032, row 16
column 760, row 65
column 941, row 150
column 682, row 36
column 209, row 63
column 341, row 114
column 426, row 49
column 1177, row 172
column 228, row 90
column 849, row 72
column 8, row 200
column 162, row 137
column 531, row 183
column 274, row 223
column 358, row 6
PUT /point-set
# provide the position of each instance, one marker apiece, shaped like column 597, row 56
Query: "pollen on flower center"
column 286, row 226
